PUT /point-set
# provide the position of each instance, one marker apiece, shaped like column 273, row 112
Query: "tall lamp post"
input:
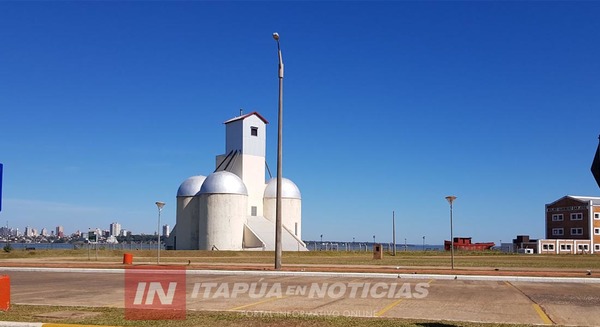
column 159, row 205
column 450, row 199
column 278, row 250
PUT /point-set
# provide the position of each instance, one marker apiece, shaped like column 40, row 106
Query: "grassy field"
column 115, row 317
column 489, row 259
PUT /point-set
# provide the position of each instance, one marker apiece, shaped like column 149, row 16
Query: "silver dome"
column 288, row 189
column 191, row 186
column 223, row 182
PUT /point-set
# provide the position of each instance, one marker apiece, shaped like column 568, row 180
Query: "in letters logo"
column 155, row 293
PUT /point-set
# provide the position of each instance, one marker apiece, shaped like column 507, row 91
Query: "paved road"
column 350, row 295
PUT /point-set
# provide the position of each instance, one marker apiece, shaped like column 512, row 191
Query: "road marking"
column 255, row 303
column 393, row 304
column 542, row 314
column 388, row 308
column 535, row 306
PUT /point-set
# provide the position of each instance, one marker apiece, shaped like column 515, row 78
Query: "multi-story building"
column 572, row 226
column 115, row 229
column 166, row 230
column 60, row 231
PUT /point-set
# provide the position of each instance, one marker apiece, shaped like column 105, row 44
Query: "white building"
column 234, row 207
column 115, row 229
column 166, row 230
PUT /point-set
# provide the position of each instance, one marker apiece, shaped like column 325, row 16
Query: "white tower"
column 234, row 208
column 245, row 148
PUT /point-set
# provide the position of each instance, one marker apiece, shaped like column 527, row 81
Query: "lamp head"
column 160, row 204
column 450, row 198
column 276, row 36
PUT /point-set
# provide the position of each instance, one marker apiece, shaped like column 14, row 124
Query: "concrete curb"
column 591, row 280
column 21, row 324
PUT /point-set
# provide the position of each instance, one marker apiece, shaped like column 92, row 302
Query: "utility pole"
column 394, row 231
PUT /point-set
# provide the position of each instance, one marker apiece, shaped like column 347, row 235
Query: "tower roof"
column 191, row 186
column 223, row 182
column 242, row 117
column 288, row 189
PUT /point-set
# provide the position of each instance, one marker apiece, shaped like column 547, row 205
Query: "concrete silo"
column 223, row 206
column 291, row 205
column 187, row 214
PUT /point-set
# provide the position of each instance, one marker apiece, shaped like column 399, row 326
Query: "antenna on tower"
column 241, row 111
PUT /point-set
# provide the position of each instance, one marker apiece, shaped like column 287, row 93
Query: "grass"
column 488, row 259
column 115, row 317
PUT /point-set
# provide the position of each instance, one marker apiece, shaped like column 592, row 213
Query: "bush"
column 8, row 248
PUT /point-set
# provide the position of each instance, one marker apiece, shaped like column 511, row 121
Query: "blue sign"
column 1, row 165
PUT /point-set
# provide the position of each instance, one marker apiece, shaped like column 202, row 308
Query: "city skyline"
column 388, row 106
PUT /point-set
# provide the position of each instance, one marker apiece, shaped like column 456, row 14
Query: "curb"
column 591, row 280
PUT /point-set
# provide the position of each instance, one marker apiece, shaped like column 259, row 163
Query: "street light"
column 423, row 243
column 450, row 199
column 159, row 205
column 278, row 250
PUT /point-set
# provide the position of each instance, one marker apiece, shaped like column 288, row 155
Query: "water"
column 368, row 246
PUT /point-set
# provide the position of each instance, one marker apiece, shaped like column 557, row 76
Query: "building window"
column 253, row 211
column 545, row 247
column 597, row 247
column 576, row 231
column 596, row 215
column 557, row 231
column 596, row 231
column 551, row 247
column 583, row 247
column 577, row 216
column 565, row 247
column 557, row 217
column 254, row 131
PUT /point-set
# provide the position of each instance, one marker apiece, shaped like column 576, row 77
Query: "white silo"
column 187, row 213
column 291, row 205
column 223, row 209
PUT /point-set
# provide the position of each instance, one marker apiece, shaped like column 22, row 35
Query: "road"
column 364, row 295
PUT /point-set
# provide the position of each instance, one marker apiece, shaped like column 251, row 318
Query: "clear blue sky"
column 106, row 107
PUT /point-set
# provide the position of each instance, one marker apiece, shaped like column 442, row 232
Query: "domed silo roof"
column 289, row 190
column 191, row 186
column 223, row 182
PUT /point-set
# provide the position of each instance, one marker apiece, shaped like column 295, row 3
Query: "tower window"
column 254, row 131
column 253, row 211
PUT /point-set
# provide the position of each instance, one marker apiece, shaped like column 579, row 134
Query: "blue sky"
column 107, row 106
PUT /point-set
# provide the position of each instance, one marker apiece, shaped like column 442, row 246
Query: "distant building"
column 44, row 232
column 60, row 231
column 572, row 226
column 524, row 244
column 115, row 229
column 166, row 229
column 465, row 244
column 5, row 231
